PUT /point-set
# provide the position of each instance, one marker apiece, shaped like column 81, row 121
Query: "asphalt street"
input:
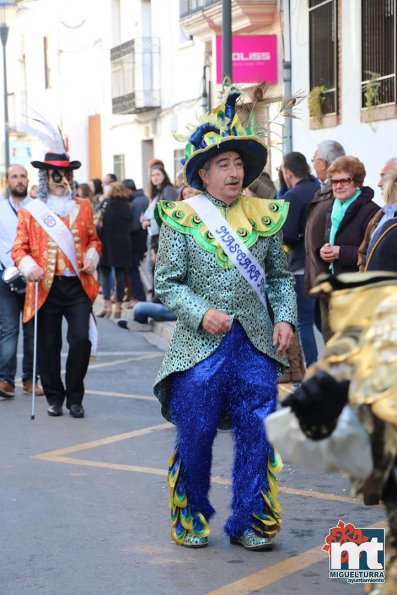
column 84, row 501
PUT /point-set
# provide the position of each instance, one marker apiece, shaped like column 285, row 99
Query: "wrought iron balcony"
column 136, row 75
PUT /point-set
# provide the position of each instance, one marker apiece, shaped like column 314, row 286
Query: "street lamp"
column 227, row 65
column 6, row 7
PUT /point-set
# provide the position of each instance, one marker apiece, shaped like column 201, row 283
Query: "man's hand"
column 329, row 253
column 283, row 335
column 35, row 274
column 88, row 266
column 216, row 322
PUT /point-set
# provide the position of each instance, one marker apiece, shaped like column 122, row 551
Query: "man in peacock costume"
column 222, row 269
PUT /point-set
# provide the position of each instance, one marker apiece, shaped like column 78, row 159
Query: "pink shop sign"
column 254, row 58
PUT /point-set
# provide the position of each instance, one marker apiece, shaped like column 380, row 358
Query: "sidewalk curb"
column 164, row 330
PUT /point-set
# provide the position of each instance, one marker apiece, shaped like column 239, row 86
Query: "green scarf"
column 339, row 209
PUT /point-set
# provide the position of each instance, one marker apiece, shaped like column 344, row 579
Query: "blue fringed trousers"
column 241, row 381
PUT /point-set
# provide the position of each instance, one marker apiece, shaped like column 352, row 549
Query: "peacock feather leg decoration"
column 183, row 521
column 267, row 521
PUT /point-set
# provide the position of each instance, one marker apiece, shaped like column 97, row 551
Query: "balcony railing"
column 136, row 75
column 189, row 6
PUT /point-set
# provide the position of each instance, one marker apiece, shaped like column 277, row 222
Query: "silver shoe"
column 194, row 541
column 251, row 540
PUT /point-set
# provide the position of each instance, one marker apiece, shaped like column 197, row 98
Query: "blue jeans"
column 11, row 306
column 137, row 288
column 144, row 310
column 306, row 318
column 107, row 282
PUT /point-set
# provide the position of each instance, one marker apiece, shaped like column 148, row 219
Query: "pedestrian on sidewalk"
column 347, row 218
column 377, row 226
column 115, row 235
column 138, row 203
column 11, row 301
column 153, row 309
column 324, row 154
column 160, row 188
column 302, row 186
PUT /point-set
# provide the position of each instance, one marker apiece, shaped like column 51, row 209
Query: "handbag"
column 99, row 216
column 346, row 450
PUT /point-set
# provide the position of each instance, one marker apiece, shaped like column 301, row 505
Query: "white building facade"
column 118, row 76
column 122, row 76
column 344, row 59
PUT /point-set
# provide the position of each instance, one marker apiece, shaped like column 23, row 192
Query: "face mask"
column 58, row 180
column 106, row 188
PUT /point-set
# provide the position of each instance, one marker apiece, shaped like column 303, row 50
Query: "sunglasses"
column 342, row 181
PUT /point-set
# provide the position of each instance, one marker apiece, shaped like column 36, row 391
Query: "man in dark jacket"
column 301, row 189
column 325, row 153
column 138, row 205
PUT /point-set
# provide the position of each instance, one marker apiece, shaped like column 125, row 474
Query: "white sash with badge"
column 246, row 263
column 62, row 236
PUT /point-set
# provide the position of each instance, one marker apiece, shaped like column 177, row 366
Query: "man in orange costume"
column 57, row 246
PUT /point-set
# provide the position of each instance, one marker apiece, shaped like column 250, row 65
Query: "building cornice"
column 247, row 16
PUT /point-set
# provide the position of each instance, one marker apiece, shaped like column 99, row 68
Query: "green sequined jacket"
column 193, row 274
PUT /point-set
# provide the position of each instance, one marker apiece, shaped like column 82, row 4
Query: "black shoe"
column 55, row 410
column 76, row 411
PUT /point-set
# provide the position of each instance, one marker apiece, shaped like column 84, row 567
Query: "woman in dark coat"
column 115, row 235
column 160, row 188
column 349, row 215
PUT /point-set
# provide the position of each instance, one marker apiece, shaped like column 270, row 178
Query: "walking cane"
column 36, row 302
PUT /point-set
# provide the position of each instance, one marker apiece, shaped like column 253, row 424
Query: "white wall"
column 81, row 34
column 180, row 89
column 373, row 144
column 181, row 79
column 79, row 64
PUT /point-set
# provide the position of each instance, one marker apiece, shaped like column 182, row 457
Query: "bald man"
column 390, row 165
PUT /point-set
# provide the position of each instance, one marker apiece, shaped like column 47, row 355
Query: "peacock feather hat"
column 221, row 130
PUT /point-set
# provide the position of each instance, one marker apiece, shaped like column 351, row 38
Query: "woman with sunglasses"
column 348, row 217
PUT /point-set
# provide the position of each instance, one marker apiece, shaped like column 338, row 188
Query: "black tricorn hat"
column 56, row 161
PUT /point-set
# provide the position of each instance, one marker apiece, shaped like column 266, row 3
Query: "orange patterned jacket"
column 33, row 246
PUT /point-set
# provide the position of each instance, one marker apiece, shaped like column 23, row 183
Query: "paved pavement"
column 84, row 501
